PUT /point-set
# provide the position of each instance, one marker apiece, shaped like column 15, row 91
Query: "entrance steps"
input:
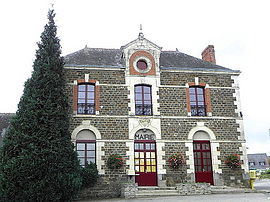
column 156, row 191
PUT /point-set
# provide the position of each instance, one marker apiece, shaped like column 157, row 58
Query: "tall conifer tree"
column 38, row 161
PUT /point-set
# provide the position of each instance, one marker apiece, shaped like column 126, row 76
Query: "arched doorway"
column 202, row 157
column 145, row 160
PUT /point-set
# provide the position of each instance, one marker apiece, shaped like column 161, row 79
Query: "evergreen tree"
column 38, row 161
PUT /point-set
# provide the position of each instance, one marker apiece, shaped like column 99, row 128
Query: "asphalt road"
column 241, row 197
column 263, row 184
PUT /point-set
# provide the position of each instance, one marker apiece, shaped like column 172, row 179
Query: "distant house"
column 5, row 119
column 258, row 161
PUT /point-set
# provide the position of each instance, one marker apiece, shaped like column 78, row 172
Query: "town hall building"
column 146, row 104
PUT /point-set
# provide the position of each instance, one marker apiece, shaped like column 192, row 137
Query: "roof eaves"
column 201, row 69
column 94, row 66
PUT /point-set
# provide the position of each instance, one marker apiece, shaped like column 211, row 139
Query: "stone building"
column 258, row 161
column 147, row 104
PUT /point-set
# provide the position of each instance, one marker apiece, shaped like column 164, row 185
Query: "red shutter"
column 207, row 100
column 97, row 95
column 188, row 100
column 75, row 97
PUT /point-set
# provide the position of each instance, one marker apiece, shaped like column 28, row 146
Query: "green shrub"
column 89, row 175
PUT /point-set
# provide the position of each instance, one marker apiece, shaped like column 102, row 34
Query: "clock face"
column 142, row 65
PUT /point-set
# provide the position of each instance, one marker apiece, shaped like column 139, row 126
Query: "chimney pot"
column 209, row 54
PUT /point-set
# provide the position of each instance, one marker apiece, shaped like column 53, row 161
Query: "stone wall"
column 104, row 188
column 178, row 129
column 173, row 101
column 103, row 76
column 175, row 175
column 181, row 78
column 113, row 100
column 232, row 177
column 193, row 188
column 113, row 120
column 109, row 127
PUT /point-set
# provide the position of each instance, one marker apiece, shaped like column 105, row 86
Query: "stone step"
column 149, row 193
column 156, row 188
column 156, row 191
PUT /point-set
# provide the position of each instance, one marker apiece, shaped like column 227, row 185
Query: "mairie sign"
column 144, row 134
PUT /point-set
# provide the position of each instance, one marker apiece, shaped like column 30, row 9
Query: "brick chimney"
column 209, row 54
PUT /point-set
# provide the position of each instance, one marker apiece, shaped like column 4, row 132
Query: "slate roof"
column 176, row 60
column 5, row 119
column 256, row 158
column 95, row 57
column 100, row 57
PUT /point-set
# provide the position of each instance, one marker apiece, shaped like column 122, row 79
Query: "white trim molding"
column 86, row 125
column 214, row 148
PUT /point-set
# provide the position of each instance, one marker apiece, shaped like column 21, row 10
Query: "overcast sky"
column 239, row 30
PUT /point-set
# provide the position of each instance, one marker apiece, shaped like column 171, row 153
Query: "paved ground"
column 242, row 197
column 260, row 185
column 263, row 184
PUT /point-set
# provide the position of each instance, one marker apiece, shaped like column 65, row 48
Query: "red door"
column 145, row 163
column 203, row 161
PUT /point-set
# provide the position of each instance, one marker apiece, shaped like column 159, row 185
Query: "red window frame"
column 86, row 157
column 86, row 99
column 197, row 101
column 143, row 100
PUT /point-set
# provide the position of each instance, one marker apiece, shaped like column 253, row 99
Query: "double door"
column 145, row 163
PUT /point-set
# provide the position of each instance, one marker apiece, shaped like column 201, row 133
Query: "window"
column 251, row 163
column 86, row 146
column 142, row 65
column 262, row 163
column 86, row 98
column 197, row 101
column 143, row 100
column 86, row 152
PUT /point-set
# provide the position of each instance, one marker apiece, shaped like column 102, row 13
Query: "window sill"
column 75, row 114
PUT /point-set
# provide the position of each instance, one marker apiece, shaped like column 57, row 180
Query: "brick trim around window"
column 206, row 94
column 75, row 94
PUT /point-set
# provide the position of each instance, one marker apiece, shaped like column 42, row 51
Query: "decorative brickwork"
column 145, row 54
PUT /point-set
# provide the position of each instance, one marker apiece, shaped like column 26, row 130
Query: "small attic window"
column 142, row 65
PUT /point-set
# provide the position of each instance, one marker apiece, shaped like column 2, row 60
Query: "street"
column 240, row 197
column 262, row 184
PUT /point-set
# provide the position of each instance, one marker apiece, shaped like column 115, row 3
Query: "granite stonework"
column 115, row 123
column 193, row 188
